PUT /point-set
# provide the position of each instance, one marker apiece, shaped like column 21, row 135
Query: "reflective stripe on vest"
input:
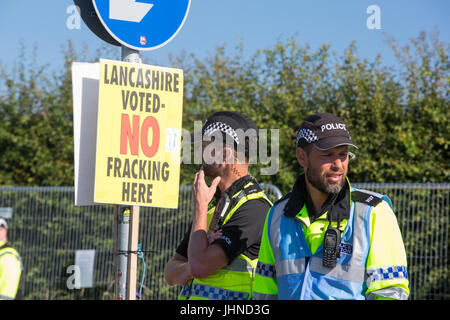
column 204, row 288
column 241, row 269
column 14, row 254
column 209, row 292
column 199, row 288
column 391, row 292
column 263, row 296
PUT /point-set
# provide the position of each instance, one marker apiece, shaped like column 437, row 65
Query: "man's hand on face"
column 202, row 194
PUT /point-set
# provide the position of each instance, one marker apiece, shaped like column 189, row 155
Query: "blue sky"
column 210, row 23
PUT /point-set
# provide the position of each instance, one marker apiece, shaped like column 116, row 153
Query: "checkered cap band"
column 223, row 127
column 306, row 134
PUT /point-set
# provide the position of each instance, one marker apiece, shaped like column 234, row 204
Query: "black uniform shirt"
column 241, row 233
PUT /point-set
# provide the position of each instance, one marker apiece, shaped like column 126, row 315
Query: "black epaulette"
column 254, row 187
column 365, row 197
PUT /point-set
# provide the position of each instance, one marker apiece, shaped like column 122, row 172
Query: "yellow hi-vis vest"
column 10, row 271
column 372, row 262
column 234, row 281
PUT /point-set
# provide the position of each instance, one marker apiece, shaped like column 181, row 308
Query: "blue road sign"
column 142, row 24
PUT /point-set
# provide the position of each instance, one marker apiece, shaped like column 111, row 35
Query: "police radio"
column 331, row 242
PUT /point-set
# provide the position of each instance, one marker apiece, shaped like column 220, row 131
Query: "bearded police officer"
column 217, row 258
column 325, row 239
column 10, row 266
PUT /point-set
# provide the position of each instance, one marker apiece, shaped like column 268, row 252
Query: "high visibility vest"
column 289, row 269
column 234, row 281
column 10, row 271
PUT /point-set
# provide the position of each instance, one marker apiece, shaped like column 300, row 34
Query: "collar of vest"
column 240, row 188
column 4, row 245
column 338, row 205
column 235, row 187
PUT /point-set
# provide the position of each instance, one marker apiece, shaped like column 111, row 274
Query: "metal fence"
column 47, row 229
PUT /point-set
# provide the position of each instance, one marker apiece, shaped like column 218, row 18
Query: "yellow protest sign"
column 138, row 134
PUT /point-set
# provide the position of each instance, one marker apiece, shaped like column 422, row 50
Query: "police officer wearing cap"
column 325, row 239
column 217, row 258
column 10, row 266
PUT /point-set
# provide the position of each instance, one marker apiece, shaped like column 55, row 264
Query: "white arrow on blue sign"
column 142, row 24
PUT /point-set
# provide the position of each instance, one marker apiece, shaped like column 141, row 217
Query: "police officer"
column 217, row 258
column 10, row 266
column 325, row 239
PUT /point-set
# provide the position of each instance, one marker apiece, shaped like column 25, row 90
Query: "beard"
column 320, row 183
column 211, row 170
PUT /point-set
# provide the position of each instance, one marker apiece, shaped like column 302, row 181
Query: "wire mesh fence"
column 47, row 229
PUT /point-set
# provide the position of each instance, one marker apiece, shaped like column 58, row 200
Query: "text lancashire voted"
column 138, row 105
column 137, row 77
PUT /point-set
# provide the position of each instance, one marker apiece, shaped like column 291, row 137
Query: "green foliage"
column 36, row 131
column 397, row 116
column 36, row 135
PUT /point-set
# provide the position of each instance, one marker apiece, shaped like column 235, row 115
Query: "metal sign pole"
column 130, row 55
column 126, row 232
column 132, row 258
column 121, row 236
column 126, row 229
